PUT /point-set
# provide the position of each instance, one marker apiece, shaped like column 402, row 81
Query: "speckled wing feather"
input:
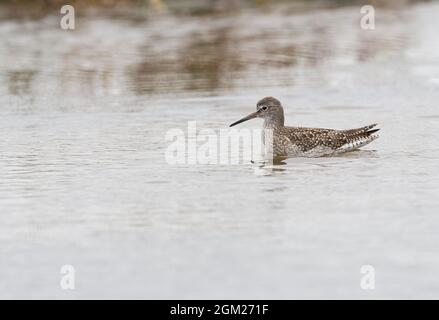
column 329, row 140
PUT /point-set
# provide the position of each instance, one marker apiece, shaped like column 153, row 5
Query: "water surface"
column 84, row 181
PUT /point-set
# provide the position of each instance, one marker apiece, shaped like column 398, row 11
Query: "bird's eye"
column 264, row 108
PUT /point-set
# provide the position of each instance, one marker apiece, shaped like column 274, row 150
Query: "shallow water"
column 84, row 179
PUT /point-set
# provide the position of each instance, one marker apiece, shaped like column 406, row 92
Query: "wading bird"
column 307, row 142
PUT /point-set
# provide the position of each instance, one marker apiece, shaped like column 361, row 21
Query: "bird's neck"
column 274, row 121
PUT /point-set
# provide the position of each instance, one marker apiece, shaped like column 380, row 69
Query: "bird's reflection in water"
column 268, row 167
column 356, row 154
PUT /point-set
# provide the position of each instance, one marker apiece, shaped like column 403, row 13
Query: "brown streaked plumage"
column 307, row 142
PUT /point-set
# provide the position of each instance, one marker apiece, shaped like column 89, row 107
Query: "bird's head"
column 268, row 108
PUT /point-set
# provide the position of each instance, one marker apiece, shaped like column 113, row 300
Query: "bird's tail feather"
column 357, row 138
column 363, row 132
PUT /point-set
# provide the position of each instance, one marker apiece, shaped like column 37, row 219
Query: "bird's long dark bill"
column 250, row 116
